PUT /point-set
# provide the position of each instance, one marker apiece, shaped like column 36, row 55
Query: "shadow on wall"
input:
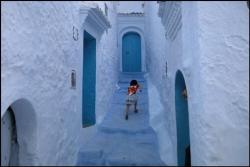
column 19, row 134
column 182, row 121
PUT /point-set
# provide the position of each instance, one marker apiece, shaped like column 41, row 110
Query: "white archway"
column 26, row 128
column 140, row 32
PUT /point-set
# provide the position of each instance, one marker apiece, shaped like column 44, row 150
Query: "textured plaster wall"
column 107, row 63
column 190, row 67
column 211, row 50
column 106, row 67
column 224, row 68
column 161, row 117
column 130, row 6
column 181, row 53
column 38, row 53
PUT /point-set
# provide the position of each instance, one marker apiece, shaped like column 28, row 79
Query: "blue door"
column 89, row 80
column 131, row 52
column 182, row 122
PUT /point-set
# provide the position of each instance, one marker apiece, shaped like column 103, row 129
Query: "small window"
column 106, row 9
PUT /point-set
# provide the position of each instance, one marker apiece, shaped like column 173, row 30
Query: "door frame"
column 88, row 27
column 179, row 75
column 92, row 20
column 123, row 58
column 83, row 58
column 141, row 34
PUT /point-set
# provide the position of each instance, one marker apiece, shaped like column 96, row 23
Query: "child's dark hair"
column 133, row 82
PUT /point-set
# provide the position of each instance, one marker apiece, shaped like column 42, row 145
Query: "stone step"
column 134, row 149
column 129, row 79
column 144, row 157
column 132, row 73
column 109, row 129
column 90, row 157
column 118, row 141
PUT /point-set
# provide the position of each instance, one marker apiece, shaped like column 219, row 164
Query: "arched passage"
column 19, row 134
column 182, row 121
column 131, row 52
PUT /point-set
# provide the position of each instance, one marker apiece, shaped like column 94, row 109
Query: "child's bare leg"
column 136, row 107
column 126, row 111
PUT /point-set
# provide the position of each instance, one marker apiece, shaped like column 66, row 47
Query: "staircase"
column 119, row 141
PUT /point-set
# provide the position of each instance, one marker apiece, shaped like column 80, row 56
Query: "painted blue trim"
column 182, row 120
column 89, row 80
column 131, row 52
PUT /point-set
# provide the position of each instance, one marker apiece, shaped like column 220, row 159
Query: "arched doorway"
column 182, row 121
column 131, row 52
column 9, row 143
column 19, row 134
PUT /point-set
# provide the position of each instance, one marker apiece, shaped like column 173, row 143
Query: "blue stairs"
column 118, row 141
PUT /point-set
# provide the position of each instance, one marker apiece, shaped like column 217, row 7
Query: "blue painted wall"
column 89, row 80
column 182, row 120
column 131, row 52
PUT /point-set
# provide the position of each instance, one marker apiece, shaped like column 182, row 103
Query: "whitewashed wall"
column 38, row 54
column 224, row 72
column 211, row 50
column 107, row 63
column 190, row 66
column 130, row 6
column 106, row 67
column 161, row 118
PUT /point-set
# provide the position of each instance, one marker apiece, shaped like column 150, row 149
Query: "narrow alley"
column 69, row 70
column 119, row 141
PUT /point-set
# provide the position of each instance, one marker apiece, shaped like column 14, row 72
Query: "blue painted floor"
column 119, row 141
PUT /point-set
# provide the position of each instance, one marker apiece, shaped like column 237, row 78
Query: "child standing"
column 132, row 97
